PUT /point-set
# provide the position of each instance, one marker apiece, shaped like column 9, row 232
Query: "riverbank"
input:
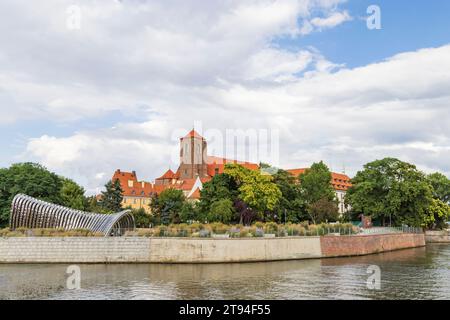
column 437, row 237
column 187, row 250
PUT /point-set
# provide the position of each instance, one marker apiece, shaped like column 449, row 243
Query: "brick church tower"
column 193, row 156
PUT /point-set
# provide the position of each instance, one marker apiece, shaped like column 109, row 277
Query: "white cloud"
column 170, row 63
column 333, row 20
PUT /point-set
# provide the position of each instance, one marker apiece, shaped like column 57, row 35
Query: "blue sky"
column 406, row 26
column 137, row 73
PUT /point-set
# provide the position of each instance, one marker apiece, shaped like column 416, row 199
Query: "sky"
column 88, row 87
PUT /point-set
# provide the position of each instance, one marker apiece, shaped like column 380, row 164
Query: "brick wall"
column 362, row 245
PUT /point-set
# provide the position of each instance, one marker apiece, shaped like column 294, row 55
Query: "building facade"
column 196, row 168
column 340, row 183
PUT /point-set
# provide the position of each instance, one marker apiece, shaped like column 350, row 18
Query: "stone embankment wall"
column 437, row 237
column 185, row 250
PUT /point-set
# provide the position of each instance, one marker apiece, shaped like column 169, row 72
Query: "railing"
column 390, row 230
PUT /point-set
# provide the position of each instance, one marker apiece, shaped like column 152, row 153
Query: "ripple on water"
column 422, row 273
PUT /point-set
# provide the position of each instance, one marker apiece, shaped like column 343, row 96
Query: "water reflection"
column 421, row 273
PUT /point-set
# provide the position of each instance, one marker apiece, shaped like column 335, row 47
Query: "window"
column 130, row 183
column 135, row 201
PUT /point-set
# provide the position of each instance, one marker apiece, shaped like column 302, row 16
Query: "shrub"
column 271, row 227
column 219, row 228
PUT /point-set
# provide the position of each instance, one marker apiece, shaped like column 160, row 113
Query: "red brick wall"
column 361, row 245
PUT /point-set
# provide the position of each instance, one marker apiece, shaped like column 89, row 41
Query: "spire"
column 193, row 134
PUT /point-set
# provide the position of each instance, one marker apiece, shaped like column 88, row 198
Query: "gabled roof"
column 168, row 175
column 193, row 134
column 139, row 188
column 195, row 195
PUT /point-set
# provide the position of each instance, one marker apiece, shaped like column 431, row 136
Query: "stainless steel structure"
column 31, row 213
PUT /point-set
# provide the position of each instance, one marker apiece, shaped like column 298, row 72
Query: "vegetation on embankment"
column 59, row 232
column 258, row 230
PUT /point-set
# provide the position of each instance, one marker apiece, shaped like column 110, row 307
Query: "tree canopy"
column 112, row 197
column 72, row 195
column 441, row 186
column 391, row 190
column 318, row 193
column 255, row 189
column 168, row 205
column 36, row 181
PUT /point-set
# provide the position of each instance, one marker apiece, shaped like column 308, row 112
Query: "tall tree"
column 220, row 187
column 27, row 178
column 255, row 189
column 72, row 195
column 112, row 197
column 441, row 186
column 315, row 183
column 318, row 193
column 391, row 190
column 437, row 215
column 292, row 205
column 168, row 205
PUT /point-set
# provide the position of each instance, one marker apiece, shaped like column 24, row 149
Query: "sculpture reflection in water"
column 32, row 213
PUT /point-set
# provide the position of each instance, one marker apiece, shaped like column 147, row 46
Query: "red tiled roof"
column 139, row 188
column 195, row 194
column 339, row 181
column 193, row 134
column 216, row 165
column 168, row 175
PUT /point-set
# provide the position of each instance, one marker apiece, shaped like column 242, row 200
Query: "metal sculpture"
column 32, row 213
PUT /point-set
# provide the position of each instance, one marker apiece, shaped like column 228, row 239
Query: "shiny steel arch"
column 31, row 213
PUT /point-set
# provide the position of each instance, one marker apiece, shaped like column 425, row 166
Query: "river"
column 422, row 273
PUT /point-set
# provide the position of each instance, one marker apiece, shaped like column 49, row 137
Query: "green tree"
column 441, row 186
column 220, row 187
column 318, row 193
column 189, row 213
column 391, row 190
column 141, row 218
column 168, row 205
column 112, row 197
column 437, row 214
column 72, row 195
column 255, row 189
column 315, row 183
column 292, row 205
column 27, row 178
column 221, row 211
column 323, row 210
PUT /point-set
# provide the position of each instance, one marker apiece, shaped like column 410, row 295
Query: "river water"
column 422, row 273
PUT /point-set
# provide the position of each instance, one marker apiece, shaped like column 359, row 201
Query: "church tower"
column 193, row 156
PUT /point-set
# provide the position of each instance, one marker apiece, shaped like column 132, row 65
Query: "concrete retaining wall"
column 437, row 237
column 184, row 250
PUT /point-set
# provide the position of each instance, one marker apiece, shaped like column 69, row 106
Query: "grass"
column 257, row 230
column 58, row 232
column 199, row 230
